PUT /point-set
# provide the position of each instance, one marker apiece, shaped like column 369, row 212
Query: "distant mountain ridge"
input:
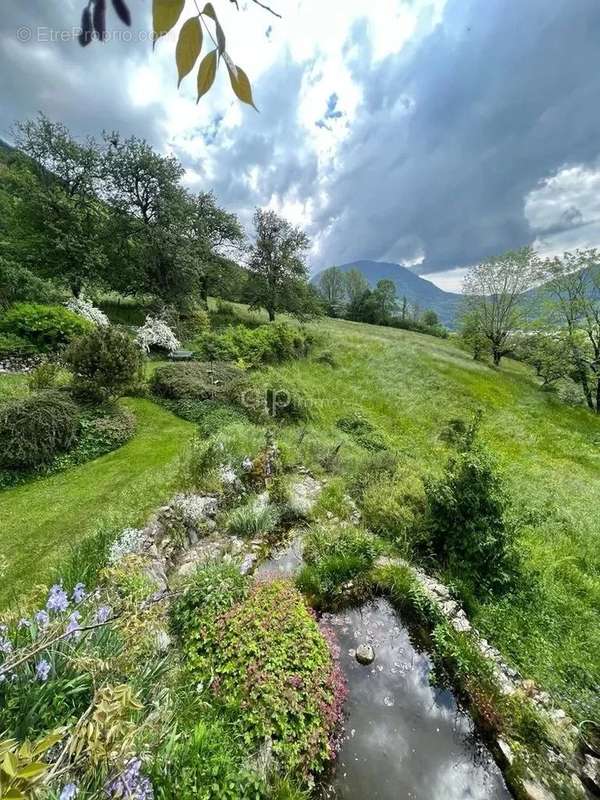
column 408, row 284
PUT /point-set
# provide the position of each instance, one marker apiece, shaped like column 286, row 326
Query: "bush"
column 268, row 397
column 44, row 377
column 466, row 524
column 19, row 284
column 105, row 362
column 266, row 344
column 209, row 415
column 87, row 310
column 326, row 357
column 363, row 432
column 395, row 508
column 48, row 328
column 12, row 346
column 35, row 429
column 194, row 381
column 269, row 666
column 335, row 556
column 251, row 521
column 155, row 334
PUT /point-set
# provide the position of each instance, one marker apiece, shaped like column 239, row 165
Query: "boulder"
column 365, row 654
column 591, row 773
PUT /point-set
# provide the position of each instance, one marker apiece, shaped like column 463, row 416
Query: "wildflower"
column 103, row 614
column 74, row 628
column 42, row 670
column 69, row 792
column 42, row 619
column 57, row 599
column 131, row 783
column 3, row 630
column 5, row 646
column 24, row 623
column 79, row 593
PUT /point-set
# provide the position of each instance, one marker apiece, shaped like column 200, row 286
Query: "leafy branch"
column 166, row 14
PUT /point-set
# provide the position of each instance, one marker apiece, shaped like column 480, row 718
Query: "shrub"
column 363, row 432
column 268, row 397
column 271, row 669
column 155, row 334
column 335, row 556
column 326, row 357
column 466, row 522
column 266, row 344
column 251, row 521
column 194, row 380
column 19, row 284
column 14, row 346
column 105, row 362
column 35, row 429
column 87, row 310
column 46, row 327
column 43, row 377
column 376, row 467
column 395, row 508
column 210, row 416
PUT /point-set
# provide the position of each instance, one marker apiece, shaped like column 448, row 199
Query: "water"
column 404, row 739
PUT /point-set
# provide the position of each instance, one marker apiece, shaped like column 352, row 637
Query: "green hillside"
column 410, row 386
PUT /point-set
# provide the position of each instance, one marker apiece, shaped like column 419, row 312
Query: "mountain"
column 414, row 288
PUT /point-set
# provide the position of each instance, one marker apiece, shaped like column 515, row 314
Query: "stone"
column 528, row 687
column 535, row 791
column 507, row 753
column 365, row 654
column 247, row 564
column 590, row 773
column 460, row 623
column 304, row 494
column 162, row 640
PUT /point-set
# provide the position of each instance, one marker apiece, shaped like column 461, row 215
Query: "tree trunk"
column 497, row 356
column 271, row 313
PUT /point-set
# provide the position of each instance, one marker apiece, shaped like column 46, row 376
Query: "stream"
column 404, row 738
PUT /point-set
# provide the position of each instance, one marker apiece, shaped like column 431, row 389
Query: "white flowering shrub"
column 131, row 540
column 87, row 310
column 156, row 333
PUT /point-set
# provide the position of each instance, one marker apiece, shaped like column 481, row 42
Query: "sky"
column 429, row 133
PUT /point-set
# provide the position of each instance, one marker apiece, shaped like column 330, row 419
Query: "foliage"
column 44, row 377
column 21, row 767
column 466, row 520
column 362, row 431
column 335, row 556
column 278, row 273
column 394, row 507
column 87, row 310
column 210, row 416
column 105, row 362
column 258, row 651
column 35, row 429
column 326, row 357
column 251, row 521
column 496, row 293
column 266, row 344
column 48, row 328
column 332, row 287
column 194, row 381
column 12, row 346
column 17, row 283
column 155, row 334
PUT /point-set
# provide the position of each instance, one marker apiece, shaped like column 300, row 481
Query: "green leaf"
column 240, row 84
column 32, row 771
column 210, row 12
column 207, row 73
column 165, row 14
column 10, row 764
column 13, row 794
column 189, row 46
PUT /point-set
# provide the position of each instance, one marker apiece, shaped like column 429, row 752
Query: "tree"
column 574, row 290
column 495, row 296
column 60, row 222
column 278, row 277
column 356, row 285
column 471, row 333
column 385, row 299
column 548, row 352
column 430, row 318
column 332, row 287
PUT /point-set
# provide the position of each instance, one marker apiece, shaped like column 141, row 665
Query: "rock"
column 155, row 571
column 450, row 608
column 590, row 773
column 528, row 687
column 507, row 753
column 579, row 787
column 365, row 654
column 460, row 623
column 535, row 791
column 248, row 563
column 162, row 640
column 304, row 494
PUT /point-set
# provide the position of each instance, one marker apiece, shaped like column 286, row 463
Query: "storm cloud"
column 426, row 141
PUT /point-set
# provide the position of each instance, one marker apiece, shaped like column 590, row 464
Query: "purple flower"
column 131, row 783
column 74, row 628
column 42, row 619
column 57, row 599
column 42, row 670
column 103, row 614
column 25, row 623
column 79, row 593
column 69, row 792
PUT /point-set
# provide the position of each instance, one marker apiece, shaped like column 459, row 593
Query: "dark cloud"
column 502, row 95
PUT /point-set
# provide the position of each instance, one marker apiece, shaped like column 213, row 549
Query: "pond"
column 404, row 738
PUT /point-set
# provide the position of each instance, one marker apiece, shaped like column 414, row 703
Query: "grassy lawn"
column 411, row 385
column 40, row 521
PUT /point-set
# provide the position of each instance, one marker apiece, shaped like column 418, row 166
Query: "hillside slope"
column 410, row 386
column 414, row 288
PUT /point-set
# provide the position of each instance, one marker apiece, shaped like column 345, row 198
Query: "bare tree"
column 496, row 296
